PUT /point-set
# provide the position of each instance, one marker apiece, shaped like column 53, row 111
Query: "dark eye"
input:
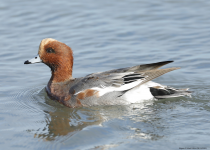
column 50, row 50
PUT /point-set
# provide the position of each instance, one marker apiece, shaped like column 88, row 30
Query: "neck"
column 59, row 92
column 61, row 74
column 56, row 90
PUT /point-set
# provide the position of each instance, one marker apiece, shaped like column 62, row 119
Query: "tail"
column 168, row 92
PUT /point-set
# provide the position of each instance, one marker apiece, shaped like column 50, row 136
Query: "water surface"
column 105, row 35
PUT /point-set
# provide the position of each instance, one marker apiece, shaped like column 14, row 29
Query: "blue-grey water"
column 105, row 35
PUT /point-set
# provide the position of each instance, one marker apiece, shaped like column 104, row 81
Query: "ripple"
column 31, row 100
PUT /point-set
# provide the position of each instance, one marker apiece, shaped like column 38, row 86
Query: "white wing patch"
column 126, row 81
column 103, row 90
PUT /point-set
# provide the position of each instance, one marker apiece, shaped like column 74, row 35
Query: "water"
column 105, row 35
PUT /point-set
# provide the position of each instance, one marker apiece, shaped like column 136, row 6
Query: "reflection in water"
column 61, row 120
column 62, row 124
column 138, row 121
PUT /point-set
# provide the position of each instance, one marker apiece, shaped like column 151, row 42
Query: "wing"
column 119, row 80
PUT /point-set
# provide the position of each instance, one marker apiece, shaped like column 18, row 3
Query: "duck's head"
column 58, row 56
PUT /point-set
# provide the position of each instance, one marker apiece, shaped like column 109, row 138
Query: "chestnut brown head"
column 55, row 54
column 58, row 56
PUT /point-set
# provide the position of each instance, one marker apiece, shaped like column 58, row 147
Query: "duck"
column 114, row 87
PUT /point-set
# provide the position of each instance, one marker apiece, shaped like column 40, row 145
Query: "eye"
column 50, row 50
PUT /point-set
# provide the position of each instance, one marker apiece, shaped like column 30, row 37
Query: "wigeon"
column 114, row 87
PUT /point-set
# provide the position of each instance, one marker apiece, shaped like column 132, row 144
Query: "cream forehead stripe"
column 44, row 42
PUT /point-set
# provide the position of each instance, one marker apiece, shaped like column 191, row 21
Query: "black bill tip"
column 27, row 62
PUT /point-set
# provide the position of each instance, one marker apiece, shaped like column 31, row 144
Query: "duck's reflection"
column 67, row 122
column 139, row 121
column 60, row 120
